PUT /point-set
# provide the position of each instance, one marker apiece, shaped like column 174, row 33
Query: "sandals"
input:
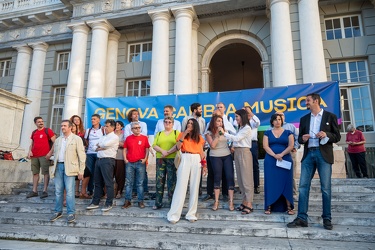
column 230, row 205
column 247, row 210
column 118, row 196
column 156, row 207
column 290, row 211
column 84, row 196
column 76, row 194
column 268, row 211
column 215, row 206
column 240, row 208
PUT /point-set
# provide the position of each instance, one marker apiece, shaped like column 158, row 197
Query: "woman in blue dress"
column 278, row 181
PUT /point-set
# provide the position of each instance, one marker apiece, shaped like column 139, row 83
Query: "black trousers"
column 254, row 152
column 359, row 163
column 210, row 178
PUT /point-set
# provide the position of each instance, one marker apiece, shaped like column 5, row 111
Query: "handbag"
column 177, row 159
column 6, row 155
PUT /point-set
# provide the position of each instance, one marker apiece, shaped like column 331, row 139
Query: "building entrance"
column 235, row 66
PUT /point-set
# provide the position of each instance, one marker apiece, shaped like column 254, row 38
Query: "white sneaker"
column 106, row 208
column 92, row 206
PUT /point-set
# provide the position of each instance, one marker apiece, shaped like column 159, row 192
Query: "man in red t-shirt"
column 357, row 151
column 136, row 149
column 39, row 148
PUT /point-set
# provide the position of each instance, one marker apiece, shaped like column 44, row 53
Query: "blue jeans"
column 135, row 171
column 90, row 164
column 104, row 171
column 313, row 161
column 62, row 181
column 145, row 184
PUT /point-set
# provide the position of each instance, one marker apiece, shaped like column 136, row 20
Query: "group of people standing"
column 120, row 153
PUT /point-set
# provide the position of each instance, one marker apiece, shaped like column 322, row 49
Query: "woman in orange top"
column 192, row 160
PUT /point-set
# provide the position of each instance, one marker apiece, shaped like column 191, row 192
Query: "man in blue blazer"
column 317, row 132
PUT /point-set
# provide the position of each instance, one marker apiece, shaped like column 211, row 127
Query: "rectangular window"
column 4, row 67
column 62, row 60
column 57, row 108
column 355, row 99
column 343, row 27
column 138, row 88
column 349, row 71
column 140, row 52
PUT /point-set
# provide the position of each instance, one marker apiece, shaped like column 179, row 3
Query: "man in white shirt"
column 196, row 109
column 107, row 151
column 92, row 136
column 168, row 112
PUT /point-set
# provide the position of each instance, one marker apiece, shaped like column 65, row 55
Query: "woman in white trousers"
column 192, row 161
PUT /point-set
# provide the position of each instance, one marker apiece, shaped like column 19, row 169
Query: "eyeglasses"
column 167, row 122
column 136, row 127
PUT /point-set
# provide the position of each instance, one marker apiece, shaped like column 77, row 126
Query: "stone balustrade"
column 16, row 5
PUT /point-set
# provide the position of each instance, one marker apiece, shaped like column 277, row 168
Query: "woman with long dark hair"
column 192, row 160
column 243, row 160
column 221, row 159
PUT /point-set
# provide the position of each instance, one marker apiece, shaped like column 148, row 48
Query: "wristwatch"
column 181, row 140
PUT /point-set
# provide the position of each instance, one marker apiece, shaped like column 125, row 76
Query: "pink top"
column 357, row 136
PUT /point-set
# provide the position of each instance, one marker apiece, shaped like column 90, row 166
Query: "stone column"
column 34, row 92
column 313, row 63
column 22, row 70
column 266, row 74
column 206, row 79
column 111, row 74
column 183, row 65
column 98, row 57
column 76, row 77
column 160, row 52
column 194, row 58
column 283, row 68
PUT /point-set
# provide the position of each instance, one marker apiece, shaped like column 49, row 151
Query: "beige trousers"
column 190, row 168
column 244, row 168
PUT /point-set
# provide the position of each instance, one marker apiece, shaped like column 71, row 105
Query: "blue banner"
column 265, row 102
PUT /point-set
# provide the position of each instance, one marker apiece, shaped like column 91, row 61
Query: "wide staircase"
column 353, row 211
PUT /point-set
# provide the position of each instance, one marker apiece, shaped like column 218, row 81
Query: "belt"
column 314, row 148
column 103, row 158
column 60, row 162
column 254, row 141
column 186, row 152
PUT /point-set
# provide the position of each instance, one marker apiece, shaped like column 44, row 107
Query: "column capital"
column 40, row 46
column 23, row 48
column 160, row 14
column 79, row 27
column 196, row 24
column 206, row 70
column 101, row 24
column 184, row 11
column 265, row 64
column 114, row 36
column 272, row 2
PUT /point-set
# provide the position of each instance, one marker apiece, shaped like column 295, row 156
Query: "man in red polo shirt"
column 39, row 148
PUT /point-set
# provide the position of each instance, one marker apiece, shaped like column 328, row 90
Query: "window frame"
column 139, row 87
column 342, row 28
column 5, row 71
column 347, row 70
column 141, row 53
column 55, row 107
column 58, row 63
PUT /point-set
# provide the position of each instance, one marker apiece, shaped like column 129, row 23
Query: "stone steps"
column 353, row 217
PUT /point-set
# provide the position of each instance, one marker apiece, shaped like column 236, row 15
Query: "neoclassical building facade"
column 58, row 53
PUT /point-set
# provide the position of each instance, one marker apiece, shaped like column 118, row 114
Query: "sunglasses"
column 167, row 122
column 136, row 128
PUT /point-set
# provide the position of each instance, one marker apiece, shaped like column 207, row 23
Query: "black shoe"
column 225, row 198
column 327, row 224
column 44, row 195
column 256, row 190
column 55, row 216
column 32, row 194
column 297, row 223
column 208, row 197
column 71, row 218
column 153, row 196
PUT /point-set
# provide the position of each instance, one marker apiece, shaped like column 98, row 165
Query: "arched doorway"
column 235, row 62
column 235, row 66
